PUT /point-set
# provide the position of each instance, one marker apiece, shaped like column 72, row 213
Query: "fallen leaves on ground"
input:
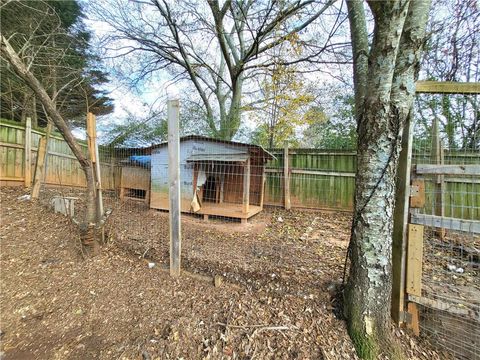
column 275, row 302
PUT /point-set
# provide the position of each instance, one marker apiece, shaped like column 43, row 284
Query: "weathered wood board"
column 414, row 259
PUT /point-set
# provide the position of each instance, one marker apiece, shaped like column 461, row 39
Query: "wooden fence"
column 62, row 168
column 326, row 179
column 317, row 178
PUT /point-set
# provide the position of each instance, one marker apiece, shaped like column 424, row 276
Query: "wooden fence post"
column 174, row 187
column 111, row 183
column 413, row 279
column 262, row 193
column 41, row 164
column 90, row 137
column 414, row 260
column 246, row 187
column 400, row 223
column 27, row 172
column 286, row 177
column 97, row 171
column 436, row 157
column 93, row 150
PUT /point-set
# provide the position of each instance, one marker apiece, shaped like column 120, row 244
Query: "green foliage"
column 51, row 39
column 338, row 131
column 69, row 12
column 286, row 104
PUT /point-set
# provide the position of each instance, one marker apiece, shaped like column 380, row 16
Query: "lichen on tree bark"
column 384, row 95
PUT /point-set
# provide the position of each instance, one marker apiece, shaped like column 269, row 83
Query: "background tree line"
column 53, row 40
column 255, row 56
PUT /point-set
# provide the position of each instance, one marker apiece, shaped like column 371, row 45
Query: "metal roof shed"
column 218, row 178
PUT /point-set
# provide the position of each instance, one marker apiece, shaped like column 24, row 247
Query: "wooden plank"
column 122, row 189
column 246, row 187
column 3, row 161
column 286, row 178
column 147, row 197
column 449, row 153
column 174, row 186
column 96, row 169
column 18, row 167
column 217, row 189
column 228, row 210
column 400, row 221
column 195, row 177
column 11, row 178
column 471, row 226
column 13, row 126
column 111, row 178
column 312, row 172
column 10, row 182
column 21, row 136
column 36, row 131
column 11, row 145
column 465, row 180
column 11, row 136
column 414, row 323
column 414, row 260
column 310, row 151
column 134, row 177
column 262, row 187
column 61, row 155
column 222, row 188
column 322, row 173
column 91, row 137
column 28, row 153
column 448, row 169
column 436, row 157
column 447, row 87
column 11, row 162
column 417, row 195
column 39, row 167
column 444, row 306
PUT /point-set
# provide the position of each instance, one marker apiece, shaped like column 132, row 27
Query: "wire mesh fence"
column 446, row 155
column 236, row 223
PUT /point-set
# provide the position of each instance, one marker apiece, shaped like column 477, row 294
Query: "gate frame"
column 404, row 312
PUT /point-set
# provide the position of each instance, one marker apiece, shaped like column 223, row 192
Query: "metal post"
column 174, row 186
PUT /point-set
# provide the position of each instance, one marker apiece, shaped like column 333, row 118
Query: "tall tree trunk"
column 388, row 96
column 359, row 35
column 231, row 123
column 9, row 54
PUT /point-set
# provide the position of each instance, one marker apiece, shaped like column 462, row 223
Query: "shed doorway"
column 210, row 189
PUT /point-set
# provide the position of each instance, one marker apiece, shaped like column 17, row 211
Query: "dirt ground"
column 277, row 300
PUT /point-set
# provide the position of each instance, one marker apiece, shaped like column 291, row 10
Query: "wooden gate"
column 436, row 245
